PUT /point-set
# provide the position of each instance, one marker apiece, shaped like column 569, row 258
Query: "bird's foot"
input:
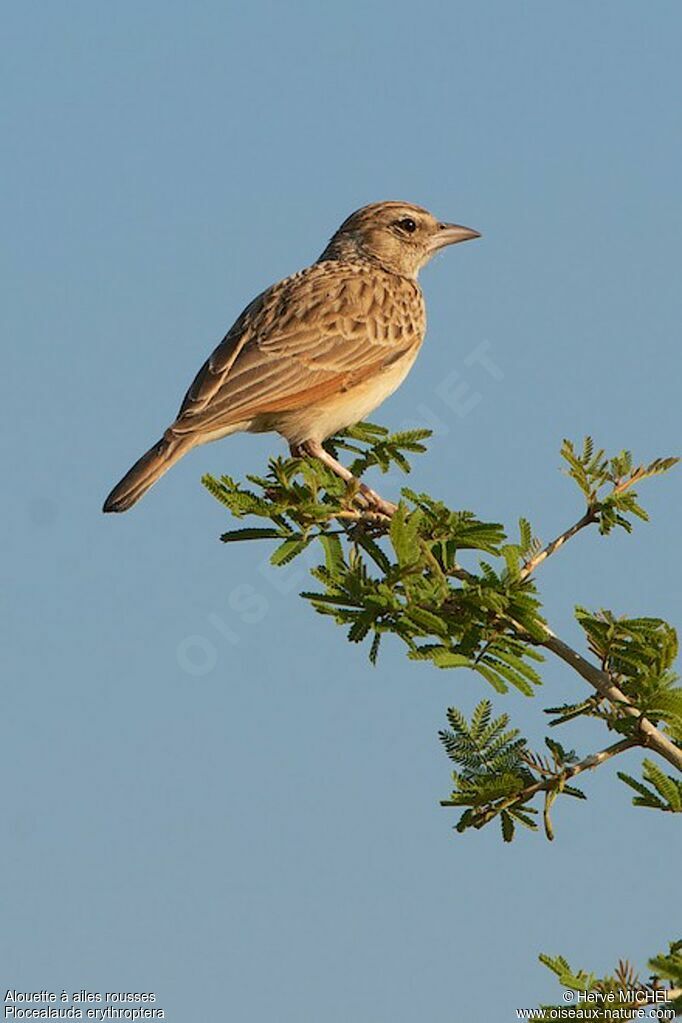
column 367, row 498
column 375, row 501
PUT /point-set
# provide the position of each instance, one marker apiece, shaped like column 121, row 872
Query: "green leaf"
column 374, row 649
column 288, row 550
column 669, row 788
column 252, row 533
column 491, row 676
column 403, row 534
column 373, row 550
column 666, row 793
column 507, row 822
column 333, row 553
column 448, row 659
column 432, row 624
column 360, row 627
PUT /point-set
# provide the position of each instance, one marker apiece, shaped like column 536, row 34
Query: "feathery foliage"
column 606, row 483
column 662, row 792
column 404, row 576
column 492, row 769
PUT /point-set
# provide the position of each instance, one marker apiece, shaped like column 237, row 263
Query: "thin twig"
column 375, row 517
column 588, row 764
column 651, row 737
column 588, row 518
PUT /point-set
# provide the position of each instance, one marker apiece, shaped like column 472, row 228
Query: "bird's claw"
column 375, row 501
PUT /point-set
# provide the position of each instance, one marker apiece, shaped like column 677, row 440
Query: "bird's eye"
column 407, row 224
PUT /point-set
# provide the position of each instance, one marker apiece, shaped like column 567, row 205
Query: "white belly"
column 320, row 421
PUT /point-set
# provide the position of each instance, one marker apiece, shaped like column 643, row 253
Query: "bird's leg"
column 367, row 496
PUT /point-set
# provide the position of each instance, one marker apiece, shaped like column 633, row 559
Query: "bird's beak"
column 450, row 234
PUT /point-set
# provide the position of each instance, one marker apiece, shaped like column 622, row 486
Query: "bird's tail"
column 146, row 471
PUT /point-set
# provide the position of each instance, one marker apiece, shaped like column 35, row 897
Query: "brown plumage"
column 316, row 352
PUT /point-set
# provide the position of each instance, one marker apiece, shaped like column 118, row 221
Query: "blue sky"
column 209, row 793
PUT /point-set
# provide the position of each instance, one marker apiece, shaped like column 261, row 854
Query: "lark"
column 316, row 352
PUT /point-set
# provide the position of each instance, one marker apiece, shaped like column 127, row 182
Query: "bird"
column 316, row 352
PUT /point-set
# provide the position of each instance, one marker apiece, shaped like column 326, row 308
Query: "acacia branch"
column 374, row 518
column 651, row 737
column 554, row 782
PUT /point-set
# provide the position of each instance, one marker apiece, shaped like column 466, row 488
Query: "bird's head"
column 397, row 236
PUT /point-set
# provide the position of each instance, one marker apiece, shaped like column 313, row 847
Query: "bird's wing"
column 311, row 336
